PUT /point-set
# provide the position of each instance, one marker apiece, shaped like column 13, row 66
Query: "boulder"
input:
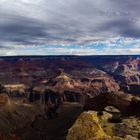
column 92, row 126
column 112, row 110
column 87, row 127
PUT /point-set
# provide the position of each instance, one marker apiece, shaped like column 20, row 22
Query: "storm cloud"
column 67, row 22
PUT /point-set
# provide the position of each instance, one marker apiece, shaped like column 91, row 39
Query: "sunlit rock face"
column 104, row 85
column 58, row 89
column 87, row 127
column 93, row 125
column 63, row 81
column 15, row 90
column 126, row 73
column 63, row 88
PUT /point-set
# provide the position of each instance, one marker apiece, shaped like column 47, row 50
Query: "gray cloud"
column 29, row 22
column 125, row 28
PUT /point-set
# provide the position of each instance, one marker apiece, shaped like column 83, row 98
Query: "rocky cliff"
column 126, row 73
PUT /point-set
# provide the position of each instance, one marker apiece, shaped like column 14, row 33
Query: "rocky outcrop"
column 63, row 81
column 104, row 85
column 87, row 127
column 63, row 88
column 52, row 99
column 60, row 88
column 128, row 104
column 112, row 109
column 127, row 74
column 108, row 99
column 15, row 90
column 94, row 126
column 96, row 82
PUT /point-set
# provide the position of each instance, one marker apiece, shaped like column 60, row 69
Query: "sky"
column 69, row 27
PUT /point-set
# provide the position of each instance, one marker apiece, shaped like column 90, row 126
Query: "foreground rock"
column 87, row 127
column 91, row 126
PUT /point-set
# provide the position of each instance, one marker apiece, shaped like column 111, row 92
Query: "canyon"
column 45, row 95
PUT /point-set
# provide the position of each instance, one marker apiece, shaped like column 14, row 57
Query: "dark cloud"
column 72, row 21
column 22, row 30
column 122, row 27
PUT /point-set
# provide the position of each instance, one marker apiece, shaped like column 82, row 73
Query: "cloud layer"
column 27, row 25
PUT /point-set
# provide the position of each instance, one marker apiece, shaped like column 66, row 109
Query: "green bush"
column 115, row 119
column 100, row 113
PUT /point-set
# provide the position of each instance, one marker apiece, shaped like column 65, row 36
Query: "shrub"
column 100, row 113
column 115, row 119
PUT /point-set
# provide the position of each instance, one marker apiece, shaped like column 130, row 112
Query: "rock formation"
column 91, row 126
column 104, row 85
column 86, row 127
column 127, row 74
column 63, row 81
column 126, row 103
column 33, row 91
